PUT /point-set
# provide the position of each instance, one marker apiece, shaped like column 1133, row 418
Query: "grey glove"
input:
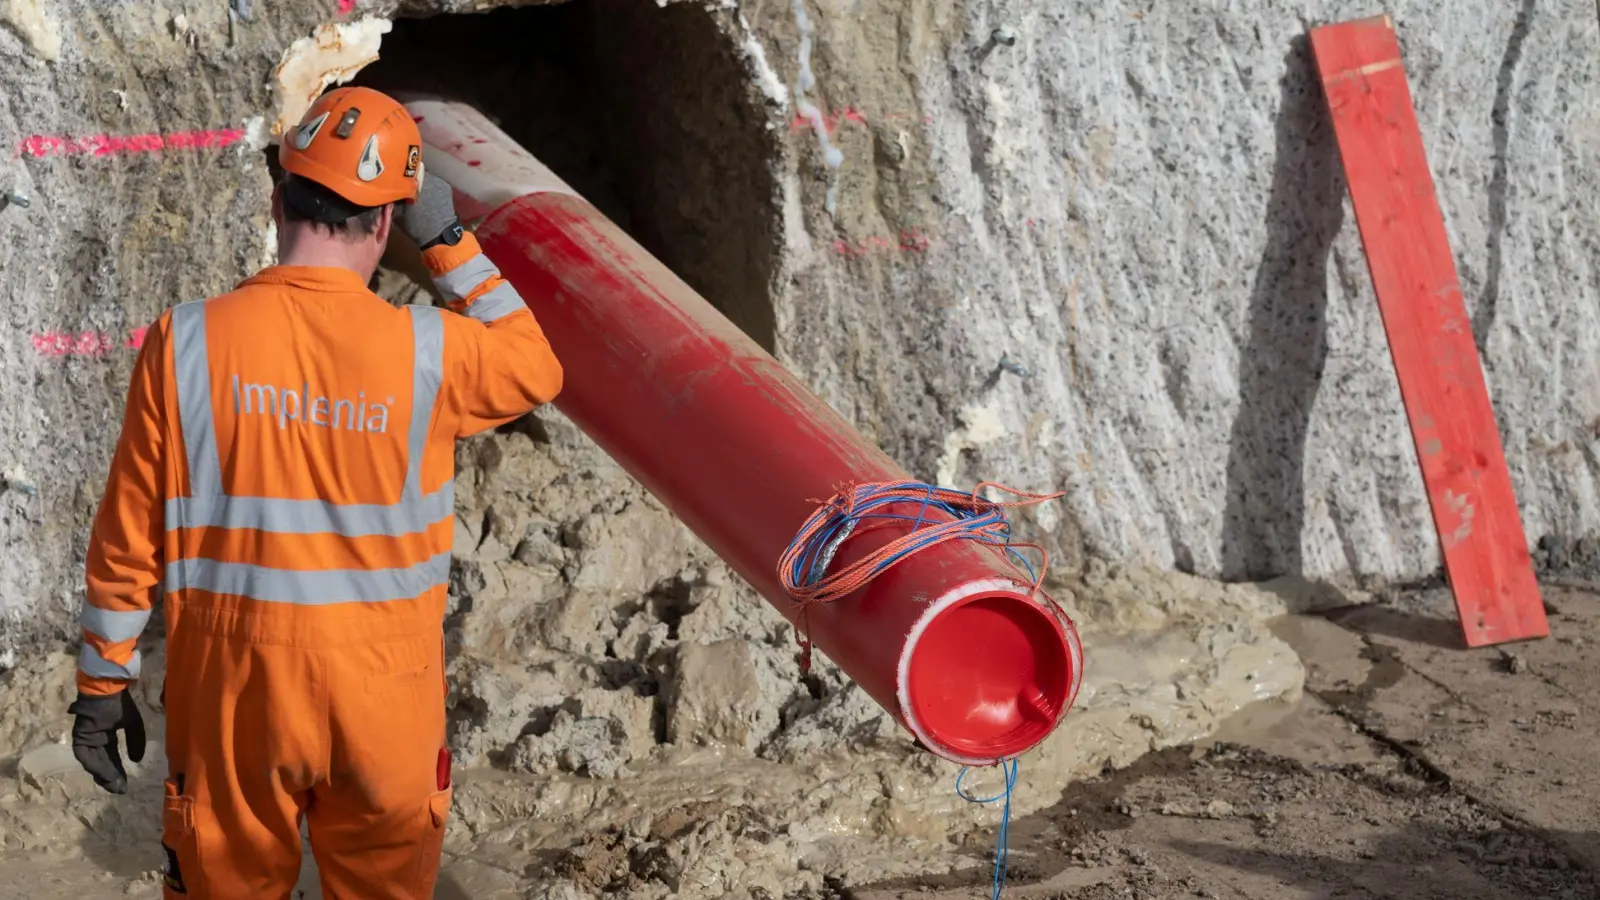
column 432, row 214
column 94, row 737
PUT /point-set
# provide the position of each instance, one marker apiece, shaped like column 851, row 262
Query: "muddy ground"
column 1409, row 768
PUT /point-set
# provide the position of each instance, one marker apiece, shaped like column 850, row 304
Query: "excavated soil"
column 1408, row 768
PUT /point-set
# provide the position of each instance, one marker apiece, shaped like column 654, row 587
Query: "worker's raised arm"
column 498, row 364
column 125, row 563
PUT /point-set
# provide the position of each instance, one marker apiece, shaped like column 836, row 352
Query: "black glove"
column 432, row 215
column 94, row 737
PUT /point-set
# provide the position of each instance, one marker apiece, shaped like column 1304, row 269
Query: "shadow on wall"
column 1500, row 116
column 1281, row 362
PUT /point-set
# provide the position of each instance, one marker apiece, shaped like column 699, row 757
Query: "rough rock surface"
column 1120, row 260
column 1114, row 257
column 715, row 697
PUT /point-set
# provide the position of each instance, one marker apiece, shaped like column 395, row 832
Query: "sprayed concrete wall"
column 1118, row 258
column 1113, row 257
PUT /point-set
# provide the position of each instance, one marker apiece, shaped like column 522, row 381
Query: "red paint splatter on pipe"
column 121, row 144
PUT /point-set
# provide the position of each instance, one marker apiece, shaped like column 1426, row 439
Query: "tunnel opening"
column 648, row 112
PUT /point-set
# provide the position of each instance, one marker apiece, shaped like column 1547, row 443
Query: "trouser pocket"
column 435, row 817
column 180, row 871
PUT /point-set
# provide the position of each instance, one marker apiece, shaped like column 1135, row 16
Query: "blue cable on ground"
column 1001, row 850
column 803, row 569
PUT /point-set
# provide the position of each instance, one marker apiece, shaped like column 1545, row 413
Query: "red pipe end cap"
column 990, row 676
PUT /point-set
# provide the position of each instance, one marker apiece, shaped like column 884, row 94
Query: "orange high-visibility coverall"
column 284, row 476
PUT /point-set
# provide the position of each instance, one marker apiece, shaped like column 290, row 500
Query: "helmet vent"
column 371, row 165
column 305, row 134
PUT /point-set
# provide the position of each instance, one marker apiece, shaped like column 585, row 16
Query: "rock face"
column 1113, row 256
column 715, row 697
column 1117, row 258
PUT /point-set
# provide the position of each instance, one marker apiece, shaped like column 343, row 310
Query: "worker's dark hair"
column 306, row 201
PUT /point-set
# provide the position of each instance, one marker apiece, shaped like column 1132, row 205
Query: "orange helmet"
column 359, row 144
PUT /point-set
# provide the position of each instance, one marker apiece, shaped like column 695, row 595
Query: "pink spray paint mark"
column 121, row 144
column 346, row 5
column 911, row 240
column 832, row 121
column 97, row 344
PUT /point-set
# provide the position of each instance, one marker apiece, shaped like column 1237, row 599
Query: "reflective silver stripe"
column 194, row 398
column 207, row 505
column 279, row 516
column 502, row 301
column 457, row 283
column 313, row 587
column 97, row 666
column 427, row 372
column 113, row 626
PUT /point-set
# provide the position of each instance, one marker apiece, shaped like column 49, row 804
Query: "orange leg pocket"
column 435, row 818
column 181, row 871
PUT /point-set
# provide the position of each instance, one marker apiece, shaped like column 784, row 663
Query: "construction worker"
column 283, row 478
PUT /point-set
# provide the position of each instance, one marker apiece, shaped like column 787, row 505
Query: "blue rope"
column 1001, row 850
column 810, row 566
column 810, row 553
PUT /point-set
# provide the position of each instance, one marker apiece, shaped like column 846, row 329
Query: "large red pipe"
column 952, row 641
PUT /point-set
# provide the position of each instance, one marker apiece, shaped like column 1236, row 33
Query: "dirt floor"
column 1410, row 769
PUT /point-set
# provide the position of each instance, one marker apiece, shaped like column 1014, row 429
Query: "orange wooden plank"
column 1430, row 335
